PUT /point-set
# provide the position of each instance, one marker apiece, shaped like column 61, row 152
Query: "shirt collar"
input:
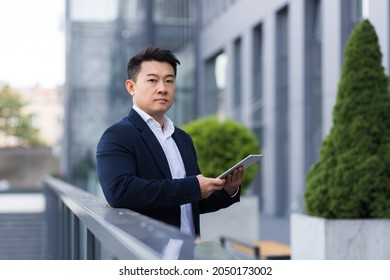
column 168, row 127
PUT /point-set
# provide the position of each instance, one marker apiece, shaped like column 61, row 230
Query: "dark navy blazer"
column 134, row 173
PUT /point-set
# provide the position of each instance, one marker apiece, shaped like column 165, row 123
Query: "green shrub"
column 352, row 176
column 221, row 144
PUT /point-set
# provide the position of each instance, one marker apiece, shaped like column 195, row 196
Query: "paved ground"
column 276, row 229
column 22, row 203
column 21, row 230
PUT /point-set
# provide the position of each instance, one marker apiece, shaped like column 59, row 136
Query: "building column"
column 297, row 105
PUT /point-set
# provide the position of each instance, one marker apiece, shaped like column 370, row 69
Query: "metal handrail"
column 80, row 225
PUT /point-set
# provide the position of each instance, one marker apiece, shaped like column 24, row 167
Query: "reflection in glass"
column 94, row 10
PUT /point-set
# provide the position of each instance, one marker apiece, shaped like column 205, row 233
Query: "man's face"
column 154, row 88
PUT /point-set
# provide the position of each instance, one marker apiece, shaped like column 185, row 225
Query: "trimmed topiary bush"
column 352, row 176
column 221, row 144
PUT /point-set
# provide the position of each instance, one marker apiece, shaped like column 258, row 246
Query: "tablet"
column 246, row 162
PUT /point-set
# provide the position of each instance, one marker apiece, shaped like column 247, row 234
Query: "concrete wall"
column 314, row 238
column 26, row 168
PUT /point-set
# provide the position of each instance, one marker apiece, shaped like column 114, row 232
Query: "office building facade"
column 281, row 65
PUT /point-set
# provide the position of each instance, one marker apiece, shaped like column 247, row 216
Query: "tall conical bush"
column 352, row 176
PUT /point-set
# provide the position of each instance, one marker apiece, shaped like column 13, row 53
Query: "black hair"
column 149, row 54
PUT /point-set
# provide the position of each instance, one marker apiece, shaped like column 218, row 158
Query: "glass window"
column 257, row 99
column 93, row 10
column 282, row 112
column 133, row 10
column 237, row 94
column 211, row 9
column 313, row 81
column 88, row 64
column 356, row 11
column 184, row 108
column 351, row 14
column 257, row 94
column 173, row 11
column 215, row 84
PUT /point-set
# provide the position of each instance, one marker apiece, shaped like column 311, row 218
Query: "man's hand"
column 209, row 185
column 234, row 180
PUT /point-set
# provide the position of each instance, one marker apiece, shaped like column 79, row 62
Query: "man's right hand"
column 209, row 185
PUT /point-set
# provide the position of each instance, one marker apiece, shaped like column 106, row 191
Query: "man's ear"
column 130, row 86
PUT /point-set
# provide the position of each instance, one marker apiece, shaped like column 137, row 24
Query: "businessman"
column 148, row 165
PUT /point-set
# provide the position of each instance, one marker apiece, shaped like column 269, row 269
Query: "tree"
column 352, row 176
column 12, row 121
column 221, row 144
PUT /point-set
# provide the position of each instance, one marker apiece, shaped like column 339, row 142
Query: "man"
column 148, row 165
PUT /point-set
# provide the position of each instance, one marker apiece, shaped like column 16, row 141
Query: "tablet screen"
column 246, row 162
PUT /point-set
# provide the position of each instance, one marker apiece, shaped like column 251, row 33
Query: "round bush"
column 221, row 144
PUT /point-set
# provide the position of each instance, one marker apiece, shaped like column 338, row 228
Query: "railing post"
column 75, row 238
column 66, row 232
column 90, row 245
column 60, row 230
column 51, row 225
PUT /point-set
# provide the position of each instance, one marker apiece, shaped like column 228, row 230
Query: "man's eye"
column 152, row 80
column 170, row 81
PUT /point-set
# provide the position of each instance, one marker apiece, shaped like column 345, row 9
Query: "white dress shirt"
column 175, row 161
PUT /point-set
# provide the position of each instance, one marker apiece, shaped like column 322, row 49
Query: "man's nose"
column 161, row 87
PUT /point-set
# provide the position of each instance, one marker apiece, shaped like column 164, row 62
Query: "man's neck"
column 159, row 118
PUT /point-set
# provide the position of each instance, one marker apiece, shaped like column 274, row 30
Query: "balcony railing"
column 80, row 225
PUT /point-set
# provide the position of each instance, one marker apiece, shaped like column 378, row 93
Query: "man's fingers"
column 236, row 175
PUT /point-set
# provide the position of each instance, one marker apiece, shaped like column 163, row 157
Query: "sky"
column 32, row 43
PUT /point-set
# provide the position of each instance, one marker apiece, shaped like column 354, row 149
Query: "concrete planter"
column 339, row 239
column 239, row 221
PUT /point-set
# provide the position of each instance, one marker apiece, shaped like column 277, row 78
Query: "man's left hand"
column 234, row 180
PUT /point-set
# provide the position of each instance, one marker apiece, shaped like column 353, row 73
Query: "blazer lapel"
column 152, row 143
column 185, row 151
column 157, row 151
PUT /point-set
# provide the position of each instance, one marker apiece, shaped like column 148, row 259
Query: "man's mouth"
column 162, row 100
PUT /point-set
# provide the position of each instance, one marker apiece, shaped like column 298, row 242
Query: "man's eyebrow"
column 166, row 76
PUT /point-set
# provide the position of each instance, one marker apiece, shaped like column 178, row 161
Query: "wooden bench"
column 263, row 249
